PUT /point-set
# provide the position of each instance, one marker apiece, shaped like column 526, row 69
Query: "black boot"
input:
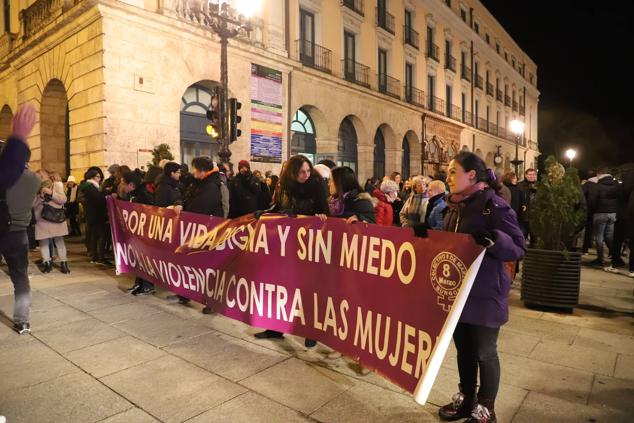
column 268, row 334
column 460, row 407
column 309, row 343
column 63, row 266
column 47, row 266
column 483, row 412
column 208, row 310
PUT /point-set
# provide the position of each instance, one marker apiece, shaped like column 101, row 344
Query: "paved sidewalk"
column 97, row 354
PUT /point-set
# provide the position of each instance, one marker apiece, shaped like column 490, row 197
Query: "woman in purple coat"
column 475, row 208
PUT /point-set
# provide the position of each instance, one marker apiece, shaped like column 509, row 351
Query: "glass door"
column 307, row 37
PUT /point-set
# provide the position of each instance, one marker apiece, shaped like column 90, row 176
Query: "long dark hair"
column 345, row 180
column 289, row 187
column 470, row 161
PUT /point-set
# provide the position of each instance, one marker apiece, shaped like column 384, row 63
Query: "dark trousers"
column 74, row 225
column 588, row 235
column 97, row 236
column 477, row 349
column 14, row 246
column 617, row 243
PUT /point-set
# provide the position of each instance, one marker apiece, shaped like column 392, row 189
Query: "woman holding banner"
column 301, row 191
column 347, row 199
column 475, row 208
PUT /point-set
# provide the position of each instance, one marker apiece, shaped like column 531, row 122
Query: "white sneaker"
column 611, row 269
column 3, row 419
column 631, row 275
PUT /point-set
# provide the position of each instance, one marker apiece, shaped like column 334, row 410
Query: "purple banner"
column 375, row 293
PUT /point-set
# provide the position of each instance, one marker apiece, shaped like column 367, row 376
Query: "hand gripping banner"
column 377, row 294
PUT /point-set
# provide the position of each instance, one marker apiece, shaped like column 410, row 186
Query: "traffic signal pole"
column 224, row 153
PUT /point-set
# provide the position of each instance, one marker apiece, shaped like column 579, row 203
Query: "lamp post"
column 227, row 23
column 571, row 153
column 517, row 128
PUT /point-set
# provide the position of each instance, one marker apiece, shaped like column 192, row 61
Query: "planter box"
column 551, row 278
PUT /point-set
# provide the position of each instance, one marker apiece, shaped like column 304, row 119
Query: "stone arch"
column 391, row 146
column 6, row 115
column 54, row 128
column 378, row 166
column 194, row 139
column 308, row 126
column 413, row 159
column 347, row 144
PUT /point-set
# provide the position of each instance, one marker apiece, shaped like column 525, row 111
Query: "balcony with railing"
column 499, row 95
column 450, row 62
column 481, row 124
column 515, row 106
column 7, row 41
column 388, row 85
column 314, row 55
column 507, row 100
column 414, row 96
column 433, row 51
column 493, row 128
column 479, row 82
column 356, row 72
column 436, row 105
column 490, row 90
column 453, row 112
column 354, row 5
column 41, row 13
column 465, row 73
column 385, row 20
column 501, row 132
column 467, row 118
column 522, row 110
column 410, row 36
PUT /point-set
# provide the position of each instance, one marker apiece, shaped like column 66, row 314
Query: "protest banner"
column 378, row 294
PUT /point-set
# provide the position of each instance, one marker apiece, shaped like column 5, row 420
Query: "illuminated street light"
column 517, row 127
column 571, row 153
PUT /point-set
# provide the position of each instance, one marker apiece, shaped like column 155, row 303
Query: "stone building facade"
column 386, row 85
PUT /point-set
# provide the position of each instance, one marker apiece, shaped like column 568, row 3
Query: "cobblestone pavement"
column 97, row 354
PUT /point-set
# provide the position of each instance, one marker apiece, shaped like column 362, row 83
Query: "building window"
column 463, row 15
column 382, row 70
column 488, row 114
column 506, row 56
column 497, row 48
column 431, row 90
column 7, row 15
column 448, row 3
column 463, row 104
column 487, row 38
column 476, row 27
column 409, row 81
column 476, row 111
column 513, row 62
column 448, row 102
column 349, row 55
column 303, row 139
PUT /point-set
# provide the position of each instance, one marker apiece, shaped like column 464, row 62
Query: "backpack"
column 5, row 216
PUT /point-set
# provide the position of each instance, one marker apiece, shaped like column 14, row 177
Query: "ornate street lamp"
column 571, row 153
column 517, row 128
column 227, row 23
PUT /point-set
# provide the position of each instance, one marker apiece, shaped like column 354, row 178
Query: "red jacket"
column 383, row 210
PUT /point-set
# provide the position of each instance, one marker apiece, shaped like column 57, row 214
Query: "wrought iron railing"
column 515, row 106
column 414, row 96
column 433, row 51
column 388, row 85
column 385, row 20
column 507, row 100
column 41, row 13
column 467, row 117
column 490, row 90
column 453, row 112
column 465, row 73
column 356, row 72
column 522, row 110
column 410, row 36
column 482, row 124
column 435, row 104
column 493, row 128
column 354, row 5
column 499, row 95
column 314, row 55
column 478, row 81
column 450, row 62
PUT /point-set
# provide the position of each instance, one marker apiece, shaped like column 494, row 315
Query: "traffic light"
column 213, row 114
column 234, row 119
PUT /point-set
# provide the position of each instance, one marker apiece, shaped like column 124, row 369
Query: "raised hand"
column 23, row 122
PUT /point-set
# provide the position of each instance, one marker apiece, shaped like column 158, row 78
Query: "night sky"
column 585, row 63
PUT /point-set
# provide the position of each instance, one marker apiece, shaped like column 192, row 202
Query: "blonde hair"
column 55, row 176
column 436, row 186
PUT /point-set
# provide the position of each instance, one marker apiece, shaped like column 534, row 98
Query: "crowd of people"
column 466, row 198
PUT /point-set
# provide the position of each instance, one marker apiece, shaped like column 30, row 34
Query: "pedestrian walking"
column 604, row 201
column 475, row 208
column 18, row 188
column 50, row 220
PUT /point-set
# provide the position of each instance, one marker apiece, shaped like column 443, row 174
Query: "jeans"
column 14, row 246
column 46, row 251
column 603, row 230
column 477, row 349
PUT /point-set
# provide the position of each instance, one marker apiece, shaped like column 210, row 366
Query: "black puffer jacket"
column 167, row 194
column 605, row 199
column 360, row 205
column 309, row 198
column 244, row 194
column 204, row 197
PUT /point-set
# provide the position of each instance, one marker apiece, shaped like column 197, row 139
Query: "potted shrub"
column 552, row 269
